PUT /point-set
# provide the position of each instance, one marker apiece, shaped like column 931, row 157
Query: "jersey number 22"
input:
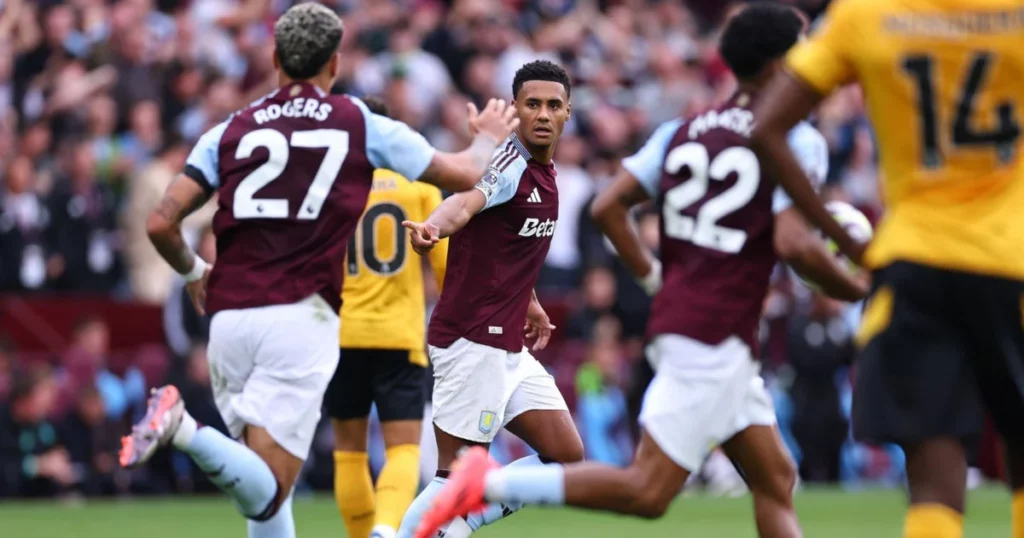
column 703, row 230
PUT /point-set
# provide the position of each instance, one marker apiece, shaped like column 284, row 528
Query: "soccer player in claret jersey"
column 484, row 377
column 942, row 331
column 722, row 222
column 383, row 354
column 292, row 171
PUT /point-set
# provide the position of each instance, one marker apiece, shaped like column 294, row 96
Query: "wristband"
column 652, row 282
column 197, row 272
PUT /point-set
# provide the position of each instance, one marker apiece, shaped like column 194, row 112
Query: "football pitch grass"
column 823, row 512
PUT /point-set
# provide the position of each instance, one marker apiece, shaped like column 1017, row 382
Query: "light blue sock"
column 543, row 484
column 282, row 525
column 497, row 511
column 234, row 468
column 419, row 506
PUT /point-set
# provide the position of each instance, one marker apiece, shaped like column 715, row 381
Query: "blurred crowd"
column 101, row 100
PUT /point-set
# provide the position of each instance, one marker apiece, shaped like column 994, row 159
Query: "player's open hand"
column 197, row 291
column 423, row 237
column 497, row 120
column 538, row 325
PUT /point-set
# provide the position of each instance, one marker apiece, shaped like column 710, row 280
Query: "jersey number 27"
column 703, row 230
column 245, row 203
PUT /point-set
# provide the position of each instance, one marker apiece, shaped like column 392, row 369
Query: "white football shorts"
column 701, row 396
column 479, row 389
column 270, row 366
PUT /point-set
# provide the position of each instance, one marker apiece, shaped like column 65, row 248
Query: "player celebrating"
column 717, row 242
column 484, row 377
column 383, row 357
column 293, row 172
column 942, row 80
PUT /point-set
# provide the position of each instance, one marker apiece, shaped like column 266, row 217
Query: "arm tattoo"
column 169, row 242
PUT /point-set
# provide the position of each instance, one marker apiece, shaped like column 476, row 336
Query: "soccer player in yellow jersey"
column 942, row 330
column 383, row 357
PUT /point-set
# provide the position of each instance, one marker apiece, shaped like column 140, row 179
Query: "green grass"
column 823, row 513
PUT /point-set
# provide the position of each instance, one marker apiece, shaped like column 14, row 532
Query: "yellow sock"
column 397, row 484
column 933, row 521
column 353, row 491
column 1017, row 514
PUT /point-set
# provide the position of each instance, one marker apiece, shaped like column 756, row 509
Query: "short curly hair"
column 305, row 38
column 540, row 70
column 758, row 35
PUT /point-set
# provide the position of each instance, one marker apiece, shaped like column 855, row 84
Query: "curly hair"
column 540, row 70
column 305, row 37
column 758, row 35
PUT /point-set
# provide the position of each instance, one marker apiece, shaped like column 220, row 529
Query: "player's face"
column 543, row 108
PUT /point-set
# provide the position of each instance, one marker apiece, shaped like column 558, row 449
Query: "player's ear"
column 334, row 65
column 277, row 64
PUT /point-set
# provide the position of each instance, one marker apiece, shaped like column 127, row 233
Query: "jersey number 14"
column 1003, row 136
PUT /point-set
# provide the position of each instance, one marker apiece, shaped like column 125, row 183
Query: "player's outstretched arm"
column 785, row 102
column 183, row 196
column 798, row 245
column 461, row 171
column 611, row 213
column 449, row 217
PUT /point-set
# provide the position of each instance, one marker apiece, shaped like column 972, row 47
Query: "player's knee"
column 649, row 496
column 780, row 483
column 566, row 452
column 272, row 507
column 651, row 504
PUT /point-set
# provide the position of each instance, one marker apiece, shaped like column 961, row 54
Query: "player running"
column 293, row 172
column 484, row 377
column 722, row 222
column 942, row 82
column 383, row 354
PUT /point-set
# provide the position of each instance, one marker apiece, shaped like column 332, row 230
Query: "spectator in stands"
column 562, row 268
column 599, row 292
column 87, row 365
column 601, row 404
column 23, row 220
column 149, row 276
column 92, row 439
column 83, row 229
column 33, row 463
column 820, row 349
column 7, row 367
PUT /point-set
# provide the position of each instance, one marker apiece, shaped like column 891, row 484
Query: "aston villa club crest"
column 486, row 421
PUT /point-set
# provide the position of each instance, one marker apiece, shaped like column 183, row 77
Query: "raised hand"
column 497, row 120
column 423, row 237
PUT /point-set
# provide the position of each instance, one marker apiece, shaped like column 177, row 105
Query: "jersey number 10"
column 366, row 234
column 1002, row 137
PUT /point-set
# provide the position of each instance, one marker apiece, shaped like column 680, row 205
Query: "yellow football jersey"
column 384, row 306
column 942, row 81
